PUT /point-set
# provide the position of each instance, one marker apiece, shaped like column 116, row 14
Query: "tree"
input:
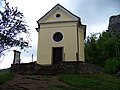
column 102, row 48
column 91, row 49
column 12, row 25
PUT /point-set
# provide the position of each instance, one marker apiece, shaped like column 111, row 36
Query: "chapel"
column 60, row 37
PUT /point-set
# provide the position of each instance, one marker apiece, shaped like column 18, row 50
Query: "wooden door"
column 57, row 55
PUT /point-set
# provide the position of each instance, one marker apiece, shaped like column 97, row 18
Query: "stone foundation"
column 65, row 67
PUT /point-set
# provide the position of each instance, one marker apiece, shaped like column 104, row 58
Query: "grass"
column 59, row 87
column 5, row 76
column 89, row 82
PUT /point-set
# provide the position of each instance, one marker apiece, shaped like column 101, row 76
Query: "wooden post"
column 32, row 57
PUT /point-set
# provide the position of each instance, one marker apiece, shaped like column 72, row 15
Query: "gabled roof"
column 58, row 6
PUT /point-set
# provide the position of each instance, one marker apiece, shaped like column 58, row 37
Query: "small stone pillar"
column 16, row 61
column 16, row 57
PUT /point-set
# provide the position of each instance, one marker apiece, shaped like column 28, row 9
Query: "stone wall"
column 23, row 68
column 79, row 67
column 65, row 67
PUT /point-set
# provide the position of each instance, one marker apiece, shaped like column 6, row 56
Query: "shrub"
column 112, row 66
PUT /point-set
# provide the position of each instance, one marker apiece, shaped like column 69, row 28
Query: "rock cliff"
column 114, row 25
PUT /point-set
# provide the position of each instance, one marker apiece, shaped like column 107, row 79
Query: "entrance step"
column 49, row 70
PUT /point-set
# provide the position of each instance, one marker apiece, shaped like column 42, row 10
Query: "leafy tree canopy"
column 12, row 25
column 98, row 49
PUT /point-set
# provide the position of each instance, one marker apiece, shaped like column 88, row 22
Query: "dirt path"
column 31, row 82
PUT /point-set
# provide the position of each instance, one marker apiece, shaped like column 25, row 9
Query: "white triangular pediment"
column 58, row 14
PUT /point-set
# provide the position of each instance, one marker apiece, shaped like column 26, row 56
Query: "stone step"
column 48, row 70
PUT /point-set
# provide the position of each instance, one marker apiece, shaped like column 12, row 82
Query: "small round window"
column 58, row 15
column 57, row 36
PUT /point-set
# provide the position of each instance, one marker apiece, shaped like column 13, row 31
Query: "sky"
column 93, row 13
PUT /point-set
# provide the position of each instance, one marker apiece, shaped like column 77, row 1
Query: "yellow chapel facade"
column 60, row 37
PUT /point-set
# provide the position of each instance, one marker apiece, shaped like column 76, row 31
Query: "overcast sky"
column 93, row 13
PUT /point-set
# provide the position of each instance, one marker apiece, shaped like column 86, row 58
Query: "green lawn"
column 5, row 76
column 89, row 82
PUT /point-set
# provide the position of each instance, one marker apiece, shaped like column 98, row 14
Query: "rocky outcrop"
column 114, row 25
